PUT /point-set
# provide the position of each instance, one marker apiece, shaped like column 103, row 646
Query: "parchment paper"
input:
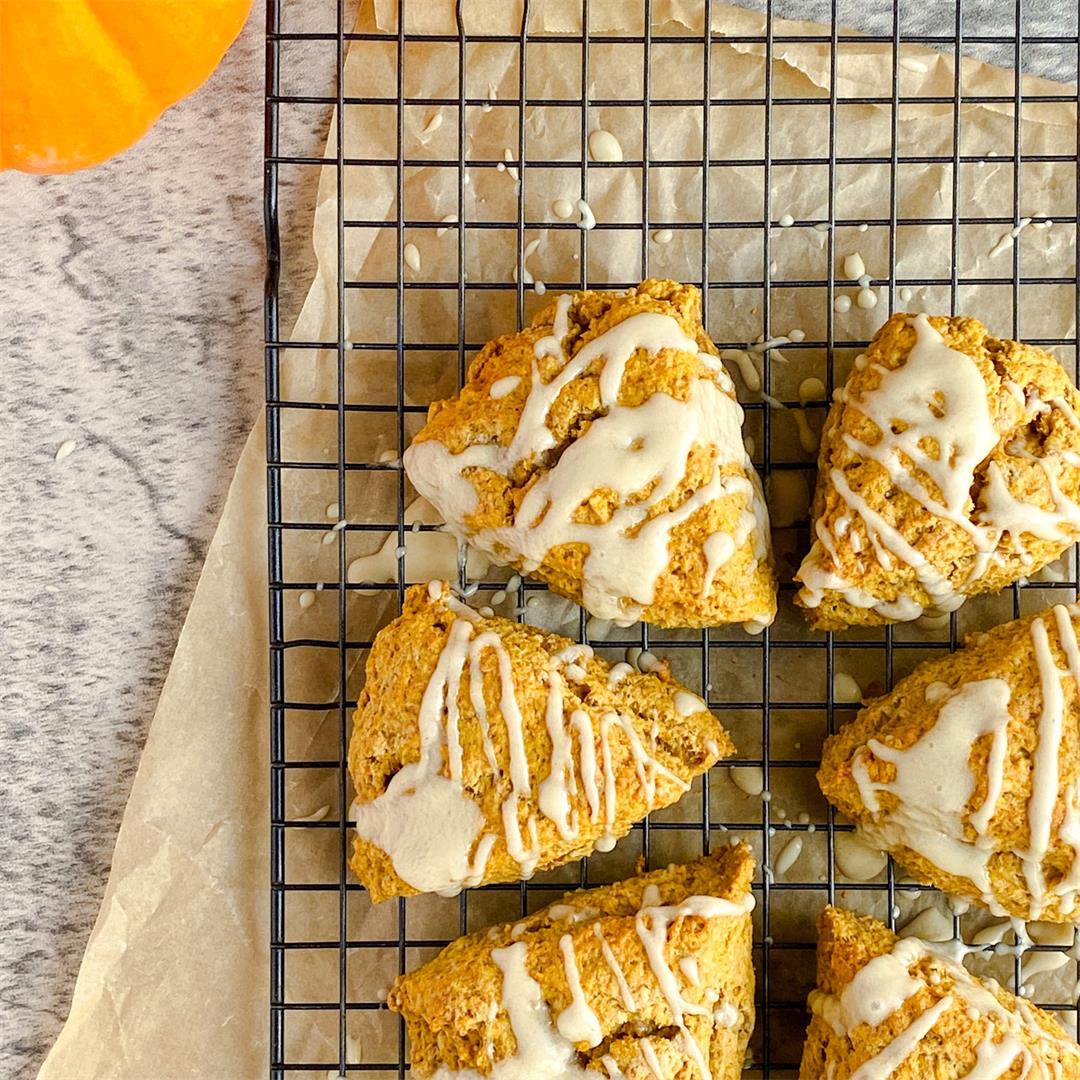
column 175, row 978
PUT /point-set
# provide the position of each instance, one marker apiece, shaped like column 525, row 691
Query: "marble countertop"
column 131, row 324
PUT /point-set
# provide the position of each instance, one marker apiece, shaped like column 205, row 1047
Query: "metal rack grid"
column 778, row 1006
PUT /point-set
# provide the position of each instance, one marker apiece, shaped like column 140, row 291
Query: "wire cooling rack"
column 767, row 689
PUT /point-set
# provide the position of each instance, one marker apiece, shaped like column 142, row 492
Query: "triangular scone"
column 647, row 979
column 968, row 771
column 891, row 1008
column 601, row 450
column 949, row 466
column 484, row 750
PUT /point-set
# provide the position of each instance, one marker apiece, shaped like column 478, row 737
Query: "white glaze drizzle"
column 889, row 544
column 933, row 781
column 612, row 962
column 939, row 395
column 931, row 924
column 1045, row 782
column 746, row 367
column 628, row 450
column 688, row 966
column 400, row 819
column 650, row 896
column 587, row 220
column 572, row 912
column 649, row 1056
column 885, row 984
column 727, row 1014
column 1009, row 519
column 1035, row 963
column 561, row 781
column 720, row 547
column 935, row 429
column 994, row 1059
column 646, row 767
column 686, row 704
column 883, row 1064
column 856, row 859
column 611, row 1066
column 540, row 1050
column 577, row 1022
column 501, row 387
column 652, row 924
column 544, row 1049
column 890, row 986
column 428, row 824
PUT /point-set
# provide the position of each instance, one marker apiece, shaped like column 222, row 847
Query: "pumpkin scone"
column 968, row 771
column 601, row 450
column 484, row 750
column 949, row 466
column 647, row 979
column 898, row 1009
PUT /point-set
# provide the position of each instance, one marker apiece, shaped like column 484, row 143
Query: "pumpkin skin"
column 81, row 80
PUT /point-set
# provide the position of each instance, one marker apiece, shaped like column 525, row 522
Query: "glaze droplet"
column 603, row 146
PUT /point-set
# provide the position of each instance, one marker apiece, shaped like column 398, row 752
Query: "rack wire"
column 728, row 666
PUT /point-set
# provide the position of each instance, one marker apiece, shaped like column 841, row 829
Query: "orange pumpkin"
column 81, row 80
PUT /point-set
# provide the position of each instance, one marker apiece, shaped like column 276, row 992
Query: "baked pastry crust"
column 484, row 750
column 600, row 449
column 949, row 466
column 968, row 772
column 898, row 1009
column 644, row 979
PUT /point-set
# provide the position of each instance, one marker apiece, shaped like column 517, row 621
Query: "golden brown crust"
column 451, row 1004
column 386, row 732
column 947, row 546
column 846, row 944
column 742, row 590
column 904, row 715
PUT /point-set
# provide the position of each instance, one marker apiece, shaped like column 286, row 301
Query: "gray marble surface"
column 130, row 322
